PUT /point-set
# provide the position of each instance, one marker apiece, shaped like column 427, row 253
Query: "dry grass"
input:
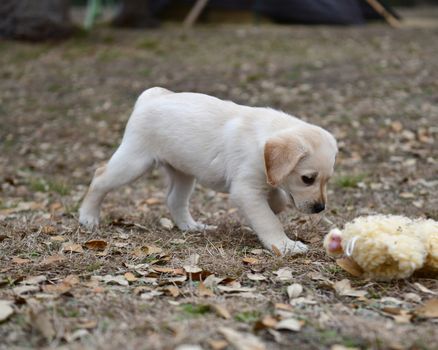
column 63, row 108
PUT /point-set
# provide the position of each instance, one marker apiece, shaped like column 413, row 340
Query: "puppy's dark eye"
column 308, row 180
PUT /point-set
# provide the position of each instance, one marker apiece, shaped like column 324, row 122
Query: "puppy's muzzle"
column 318, row 207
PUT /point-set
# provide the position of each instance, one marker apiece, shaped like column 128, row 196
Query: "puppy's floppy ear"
column 282, row 154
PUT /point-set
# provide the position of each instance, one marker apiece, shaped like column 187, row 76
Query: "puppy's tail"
column 152, row 93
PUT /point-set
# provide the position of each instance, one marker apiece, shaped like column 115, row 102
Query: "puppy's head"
column 300, row 161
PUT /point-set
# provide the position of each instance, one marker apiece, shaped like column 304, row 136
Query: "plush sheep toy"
column 387, row 247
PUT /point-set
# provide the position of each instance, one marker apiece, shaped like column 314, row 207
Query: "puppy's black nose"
column 318, row 207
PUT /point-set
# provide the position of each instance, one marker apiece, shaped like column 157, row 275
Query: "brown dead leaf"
column 72, row 248
column 172, row 291
column 284, row 274
column 130, row 277
column 48, row 230
column 86, row 324
column 429, row 309
column 203, row 291
column 250, row 261
column 242, row 341
column 53, row 259
column 221, row 311
column 276, row 251
column 58, row 238
column 217, row 344
column 169, row 270
column 96, row 244
column 153, row 201
column 344, row 288
column 41, row 321
column 72, row 279
column 399, row 315
column 350, row 266
column 59, row 288
column 20, row 261
column 265, row 323
column 147, row 250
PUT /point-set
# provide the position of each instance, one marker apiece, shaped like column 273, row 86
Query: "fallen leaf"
column 52, row 259
column 34, row 280
column 72, row 247
column 72, row 279
column 235, row 289
column 429, row 309
column 108, row 279
column 150, row 294
column 412, row 297
column 130, row 277
column 350, row 266
column 77, row 334
column 166, row 223
column 302, row 301
column 96, row 244
column 21, row 290
column 250, row 261
column 344, row 288
column 40, row 320
column 294, row 290
column 58, row 238
column 170, row 270
column 398, row 315
column 290, row 324
column 48, row 230
column 265, row 322
column 20, row 261
column 217, row 344
column 284, row 307
column 220, row 311
column 256, row 277
column 172, row 290
column 87, row 324
column 192, row 269
column 59, row 288
column 6, row 309
column 147, row 250
column 153, row 201
column 284, row 274
column 423, row 289
column 203, row 291
column 242, row 341
column 276, row 251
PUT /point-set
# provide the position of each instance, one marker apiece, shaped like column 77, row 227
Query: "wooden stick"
column 377, row 6
column 194, row 13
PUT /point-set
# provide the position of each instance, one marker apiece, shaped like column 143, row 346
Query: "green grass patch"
column 195, row 309
column 248, row 316
column 42, row 185
column 349, row 181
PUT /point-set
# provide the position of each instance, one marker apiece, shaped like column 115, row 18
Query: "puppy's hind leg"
column 126, row 165
column 181, row 187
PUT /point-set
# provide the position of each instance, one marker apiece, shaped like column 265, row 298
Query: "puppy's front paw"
column 291, row 247
column 88, row 221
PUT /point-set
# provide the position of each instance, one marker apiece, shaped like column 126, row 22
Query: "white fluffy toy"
column 387, row 247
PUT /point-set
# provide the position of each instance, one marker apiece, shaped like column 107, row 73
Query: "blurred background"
column 364, row 69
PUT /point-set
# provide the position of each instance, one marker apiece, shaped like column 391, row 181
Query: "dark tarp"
column 35, row 19
column 342, row 12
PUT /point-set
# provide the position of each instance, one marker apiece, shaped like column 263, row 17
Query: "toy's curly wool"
column 389, row 247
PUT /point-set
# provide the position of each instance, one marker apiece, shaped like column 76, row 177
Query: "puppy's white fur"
column 258, row 155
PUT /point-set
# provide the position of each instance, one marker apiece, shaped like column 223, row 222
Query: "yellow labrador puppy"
column 262, row 157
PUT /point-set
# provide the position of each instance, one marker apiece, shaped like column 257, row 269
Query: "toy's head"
column 333, row 243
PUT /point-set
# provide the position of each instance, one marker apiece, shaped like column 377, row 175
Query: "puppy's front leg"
column 268, row 228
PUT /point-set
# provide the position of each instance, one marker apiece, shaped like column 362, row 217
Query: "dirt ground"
column 63, row 108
